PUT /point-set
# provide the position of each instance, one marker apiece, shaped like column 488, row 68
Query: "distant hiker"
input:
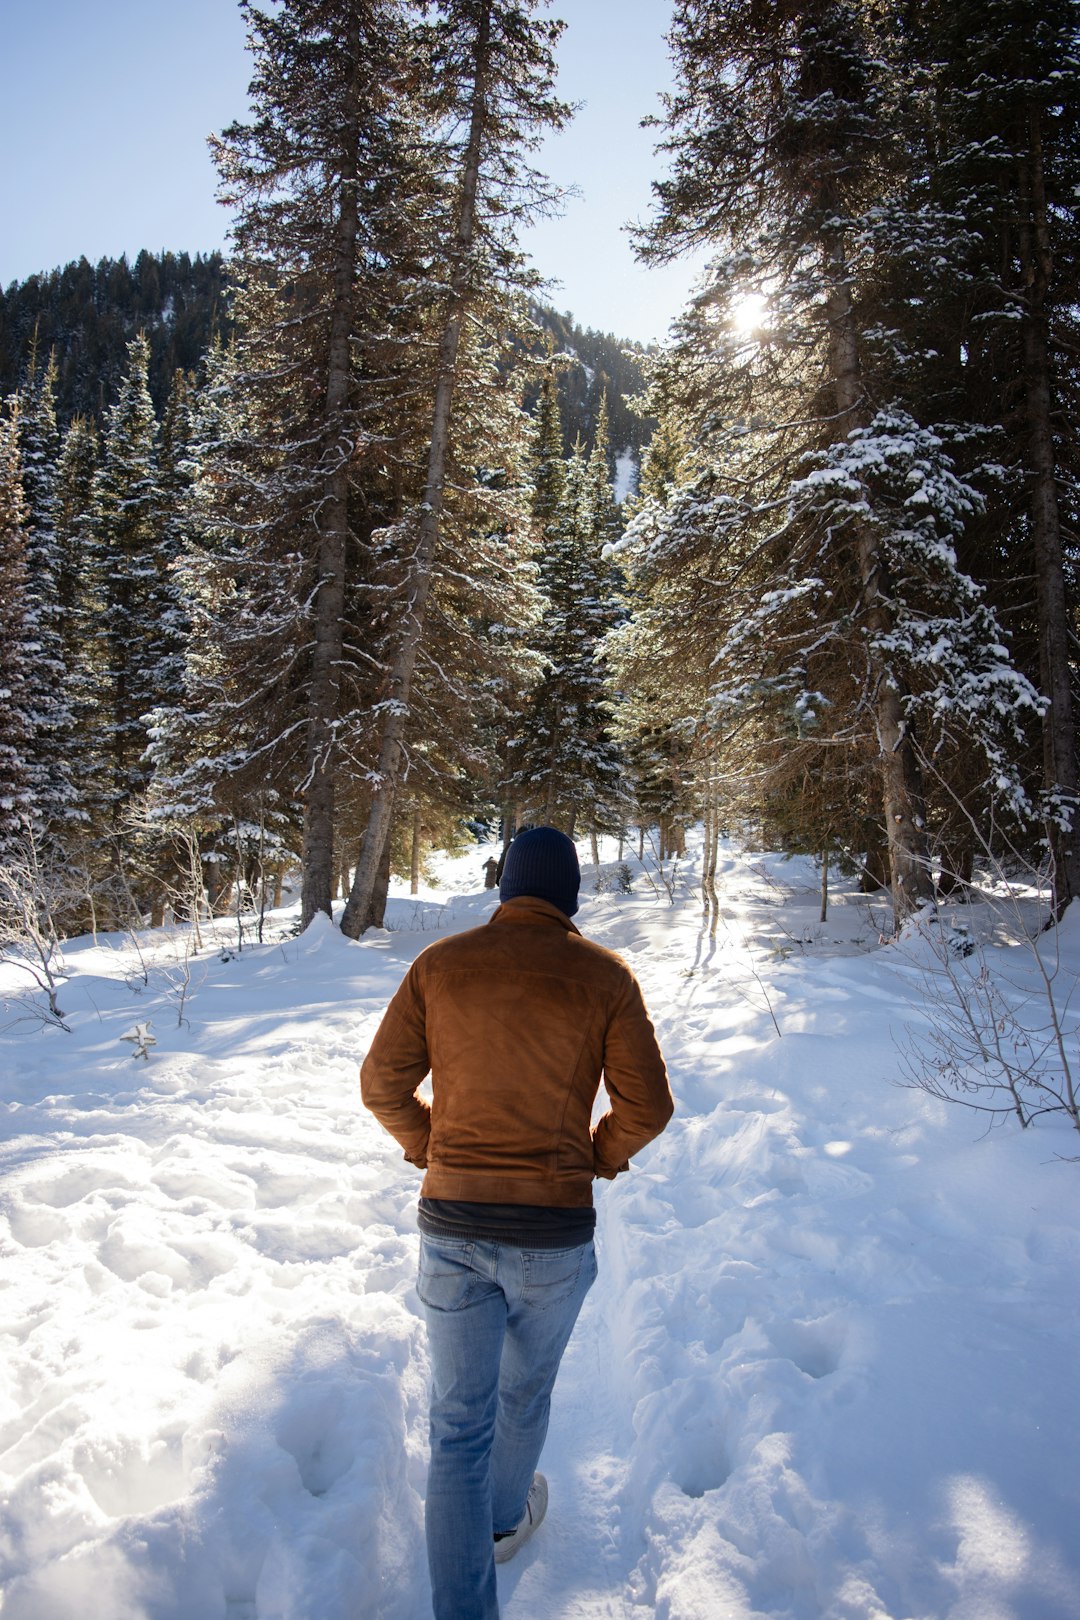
column 491, row 873
column 516, row 1021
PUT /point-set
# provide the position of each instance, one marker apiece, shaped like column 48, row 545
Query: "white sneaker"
column 535, row 1507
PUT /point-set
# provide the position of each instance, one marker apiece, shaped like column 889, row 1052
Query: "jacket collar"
column 528, row 908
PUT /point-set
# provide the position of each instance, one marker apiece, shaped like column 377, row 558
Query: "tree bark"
column 376, row 912
column 414, row 871
column 317, row 853
column 362, row 911
column 875, row 867
column 1060, row 778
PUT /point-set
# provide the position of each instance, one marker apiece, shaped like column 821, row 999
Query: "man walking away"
column 516, row 1021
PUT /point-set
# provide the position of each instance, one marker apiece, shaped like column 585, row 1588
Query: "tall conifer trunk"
column 417, row 836
column 318, row 845
column 365, row 904
column 1060, row 777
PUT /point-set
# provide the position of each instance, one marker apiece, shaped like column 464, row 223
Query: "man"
column 516, row 1022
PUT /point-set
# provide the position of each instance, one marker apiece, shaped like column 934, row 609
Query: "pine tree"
column 812, row 551
column 176, row 471
column 654, row 695
column 1002, row 121
column 78, row 593
column 18, row 646
column 331, row 244
column 129, row 565
column 214, row 779
column 600, row 509
column 493, row 72
column 51, row 750
column 566, row 767
column 75, row 469
column 547, row 494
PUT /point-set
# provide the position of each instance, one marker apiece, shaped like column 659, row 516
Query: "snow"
column 626, row 474
column 827, row 1372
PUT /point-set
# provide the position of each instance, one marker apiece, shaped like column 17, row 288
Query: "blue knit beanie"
column 542, row 862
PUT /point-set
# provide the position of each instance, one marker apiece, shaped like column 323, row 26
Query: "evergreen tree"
column 492, row 76
column 175, row 475
column 330, row 248
column 78, row 583
column 812, row 551
column 129, row 569
column 601, row 512
column 211, row 737
column 567, row 768
column 654, row 696
column 548, row 502
column 1001, row 119
column 18, row 646
column 48, row 678
column 547, row 512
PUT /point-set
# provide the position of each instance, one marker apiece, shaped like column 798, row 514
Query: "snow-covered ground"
column 828, row 1371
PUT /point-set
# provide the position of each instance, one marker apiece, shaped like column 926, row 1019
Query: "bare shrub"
column 33, row 892
column 1001, row 1041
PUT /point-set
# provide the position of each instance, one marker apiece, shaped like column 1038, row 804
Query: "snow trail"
column 826, row 1373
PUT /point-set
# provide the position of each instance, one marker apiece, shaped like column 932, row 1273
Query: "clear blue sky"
column 105, row 106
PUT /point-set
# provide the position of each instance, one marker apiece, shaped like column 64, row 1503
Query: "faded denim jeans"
column 498, row 1320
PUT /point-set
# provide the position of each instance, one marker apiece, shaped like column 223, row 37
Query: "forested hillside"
column 86, row 315
column 314, row 558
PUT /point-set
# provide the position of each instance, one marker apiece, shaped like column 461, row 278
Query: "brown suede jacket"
column 516, row 1022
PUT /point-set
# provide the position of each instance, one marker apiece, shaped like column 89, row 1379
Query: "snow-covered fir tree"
column 176, row 470
column 311, row 177
column 312, row 461
column 212, row 776
column 129, row 566
column 492, row 94
column 78, row 586
column 18, row 645
column 567, row 768
column 49, row 676
column 547, row 513
column 811, row 553
column 1000, row 134
column 656, row 695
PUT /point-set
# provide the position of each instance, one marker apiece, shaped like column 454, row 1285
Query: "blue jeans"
column 498, row 1320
